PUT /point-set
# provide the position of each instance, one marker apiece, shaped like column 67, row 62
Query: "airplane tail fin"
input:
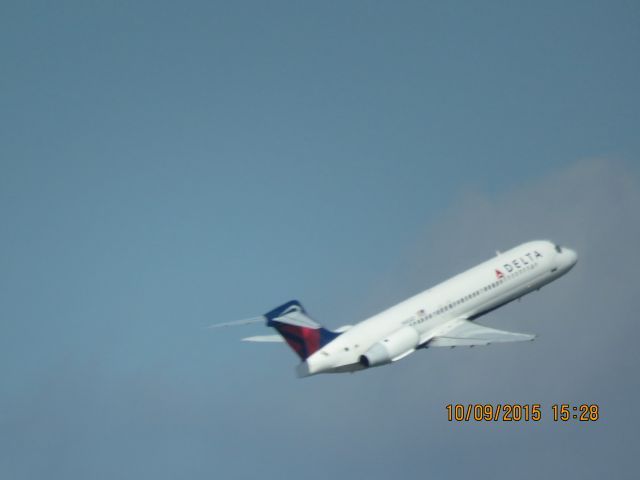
column 302, row 334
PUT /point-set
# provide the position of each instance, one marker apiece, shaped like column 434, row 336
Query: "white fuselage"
column 483, row 288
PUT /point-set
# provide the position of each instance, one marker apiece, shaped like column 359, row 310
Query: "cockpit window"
column 558, row 249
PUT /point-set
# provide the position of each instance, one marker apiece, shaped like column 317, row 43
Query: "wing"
column 461, row 333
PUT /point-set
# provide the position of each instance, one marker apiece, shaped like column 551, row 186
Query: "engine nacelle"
column 398, row 344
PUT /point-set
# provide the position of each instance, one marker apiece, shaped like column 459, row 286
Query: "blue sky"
column 165, row 166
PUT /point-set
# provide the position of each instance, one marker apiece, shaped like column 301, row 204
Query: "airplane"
column 442, row 316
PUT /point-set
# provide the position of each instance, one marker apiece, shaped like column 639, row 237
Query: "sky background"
column 168, row 165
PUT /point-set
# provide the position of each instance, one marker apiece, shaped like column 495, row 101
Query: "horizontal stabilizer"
column 235, row 323
column 264, row 338
column 464, row 333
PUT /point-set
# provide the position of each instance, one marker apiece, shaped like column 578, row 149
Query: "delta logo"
column 518, row 263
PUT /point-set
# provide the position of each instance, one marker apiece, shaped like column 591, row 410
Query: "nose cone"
column 571, row 258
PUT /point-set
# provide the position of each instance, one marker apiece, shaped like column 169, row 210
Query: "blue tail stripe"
column 305, row 338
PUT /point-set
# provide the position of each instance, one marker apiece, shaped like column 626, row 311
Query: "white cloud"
column 586, row 349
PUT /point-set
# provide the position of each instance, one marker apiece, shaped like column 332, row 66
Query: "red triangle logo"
column 499, row 274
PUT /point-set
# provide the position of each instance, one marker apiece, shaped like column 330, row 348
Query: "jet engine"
column 400, row 343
